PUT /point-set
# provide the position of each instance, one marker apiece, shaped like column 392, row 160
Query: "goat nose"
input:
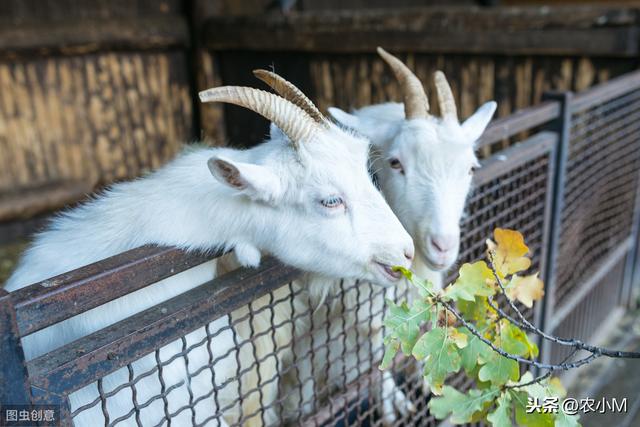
column 443, row 243
column 409, row 253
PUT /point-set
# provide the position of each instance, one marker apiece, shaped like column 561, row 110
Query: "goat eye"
column 332, row 202
column 395, row 164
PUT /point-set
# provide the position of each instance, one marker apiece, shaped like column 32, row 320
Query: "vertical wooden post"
column 14, row 380
column 562, row 125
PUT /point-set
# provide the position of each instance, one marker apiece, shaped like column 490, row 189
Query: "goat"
column 305, row 197
column 426, row 177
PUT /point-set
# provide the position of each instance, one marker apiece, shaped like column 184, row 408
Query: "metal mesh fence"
column 601, row 178
column 307, row 353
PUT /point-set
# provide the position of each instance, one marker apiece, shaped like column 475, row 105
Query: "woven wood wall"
column 93, row 92
column 90, row 93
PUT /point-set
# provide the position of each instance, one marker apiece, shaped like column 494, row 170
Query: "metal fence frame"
column 51, row 377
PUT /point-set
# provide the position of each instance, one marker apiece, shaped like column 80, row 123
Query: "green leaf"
column 390, row 351
column 534, row 419
column 403, row 323
column 475, row 348
column 408, row 274
column 513, row 340
column 461, row 406
column 425, row 287
column 475, row 280
column 440, row 355
column 501, row 416
column 499, row 370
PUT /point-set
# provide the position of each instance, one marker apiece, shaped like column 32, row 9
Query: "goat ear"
column 344, row 118
column 256, row 181
column 275, row 132
column 475, row 125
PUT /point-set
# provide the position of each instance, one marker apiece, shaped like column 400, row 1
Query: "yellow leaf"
column 508, row 252
column 458, row 337
column 525, row 289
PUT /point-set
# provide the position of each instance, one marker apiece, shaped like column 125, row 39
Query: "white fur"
column 428, row 197
column 271, row 203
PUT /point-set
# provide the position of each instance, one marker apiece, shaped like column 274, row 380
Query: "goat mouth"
column 436, row 266
column 388, row 271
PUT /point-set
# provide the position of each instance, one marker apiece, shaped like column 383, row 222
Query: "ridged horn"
column 416, row 104
column 290, row 92
column 445, row 96
column 291, row 119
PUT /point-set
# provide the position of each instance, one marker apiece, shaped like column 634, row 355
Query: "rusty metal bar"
column 515, row 155
column 79, row 363
column 626, row 296
column 45, row 397
column 61, row 297
column 549, row 206
column 606, row 91
column 563, row 127
column 14, row 381
column 521, row 120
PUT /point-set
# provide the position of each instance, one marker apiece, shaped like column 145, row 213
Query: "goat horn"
column 290, row 92
column 291, row 119
column 416, row 104
column 445, row 96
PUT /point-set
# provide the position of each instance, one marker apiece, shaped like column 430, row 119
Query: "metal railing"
column 569, row 183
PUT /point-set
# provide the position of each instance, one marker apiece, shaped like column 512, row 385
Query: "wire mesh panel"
column 601, row 180
column 344, row 347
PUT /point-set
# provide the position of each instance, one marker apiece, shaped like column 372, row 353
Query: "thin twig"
column 551, row 367
column 525, row 324
column 542, row 377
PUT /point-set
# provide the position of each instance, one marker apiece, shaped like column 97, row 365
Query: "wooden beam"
column 91, row 35
column 26, row 204
column 598, row 31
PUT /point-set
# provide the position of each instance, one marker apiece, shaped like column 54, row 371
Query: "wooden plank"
column 92, row 35
column 552, row 31
column 29, row 203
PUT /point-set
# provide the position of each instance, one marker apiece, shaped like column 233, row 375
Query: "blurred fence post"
column 630, row 290
column 561, row 125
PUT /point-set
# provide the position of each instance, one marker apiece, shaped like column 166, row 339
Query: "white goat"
column 426, row 177
column 305, row 197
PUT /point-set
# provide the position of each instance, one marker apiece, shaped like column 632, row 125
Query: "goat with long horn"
column 311, row 205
